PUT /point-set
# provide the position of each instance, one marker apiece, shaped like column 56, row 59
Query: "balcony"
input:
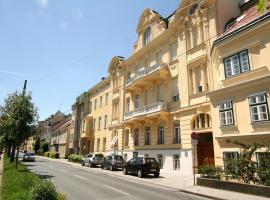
column 147, row 110
column 152, row 73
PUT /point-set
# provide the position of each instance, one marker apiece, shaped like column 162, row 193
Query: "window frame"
column 258, row 104
column 147, row 137
column 226, row 110
column 240, row 64
column 147, row 36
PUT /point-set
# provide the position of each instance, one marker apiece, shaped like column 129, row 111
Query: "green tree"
column 36, row 145
column 45, row 146
column 17, row 118
column 263, row 5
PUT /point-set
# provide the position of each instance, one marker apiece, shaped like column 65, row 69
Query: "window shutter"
column 244, row 61
column 236, row 64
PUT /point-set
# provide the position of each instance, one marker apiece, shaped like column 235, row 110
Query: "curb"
column 201, row 195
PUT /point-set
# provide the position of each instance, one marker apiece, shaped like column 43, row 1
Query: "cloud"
column 77, row 13
column 43, row 3
column 63, row 25
column 11, row 72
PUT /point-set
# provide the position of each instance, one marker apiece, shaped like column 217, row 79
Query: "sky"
column 63, row 47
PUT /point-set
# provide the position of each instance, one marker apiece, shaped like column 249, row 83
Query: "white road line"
column 116, row 190
column 80, row 177
column 62, row 170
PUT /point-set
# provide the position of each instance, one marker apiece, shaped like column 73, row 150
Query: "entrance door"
column 205, row 149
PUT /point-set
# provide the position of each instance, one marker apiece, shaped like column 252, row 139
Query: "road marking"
column 62, row 170
column 80, row 177
column 116, row 190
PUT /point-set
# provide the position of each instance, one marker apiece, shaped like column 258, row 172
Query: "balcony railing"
column 146, row 110
column 144, row 72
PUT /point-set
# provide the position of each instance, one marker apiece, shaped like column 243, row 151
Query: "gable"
column 147, row 17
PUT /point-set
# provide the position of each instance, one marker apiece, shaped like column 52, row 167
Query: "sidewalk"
column 175, row 181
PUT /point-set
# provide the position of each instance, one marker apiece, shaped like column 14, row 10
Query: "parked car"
column 92, row 160
column 113, row 162
column 29, row 157
column 142, row 166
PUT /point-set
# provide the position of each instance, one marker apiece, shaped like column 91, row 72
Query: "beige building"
column 240, row 84
column 60, row 137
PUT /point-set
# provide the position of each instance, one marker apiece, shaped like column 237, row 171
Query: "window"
column 147, row 36
column 107, row 99
column 228, row 156
column 98, row 144
column 128, row 76
column 104, row 144
column 99, row 122
column 127, row 137
column 177, row 137
column 94, row 124
column 136, row 138
column 160, row 160
column 100, row 101
column 175, row 89
column 161, row 134
column 193, row 9
column 105, row 120
column 95, row 106
column 173, row 50
column 258, row 107
column 135, row 155
column 90, row 107
column 147, row 135
column 176, row 162
column 137, row 101
column 226, row 113
column 263, row 159
column 236, row 64
column 128, row 104
column 199, row 79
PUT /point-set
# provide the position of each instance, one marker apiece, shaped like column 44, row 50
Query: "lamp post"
column 194, row 142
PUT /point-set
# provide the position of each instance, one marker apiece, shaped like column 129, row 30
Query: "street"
column 80, row 183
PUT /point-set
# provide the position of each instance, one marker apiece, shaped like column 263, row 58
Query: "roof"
column 247, row 19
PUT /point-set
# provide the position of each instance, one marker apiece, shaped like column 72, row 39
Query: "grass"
column 16, row 184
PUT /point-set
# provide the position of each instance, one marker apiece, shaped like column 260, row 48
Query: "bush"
column 45, row 190
column 54, row 155
column 61, row 196
column 39, row 152
column 210, row 171
column 75, row 158
column 47, row 154
column 45, row 146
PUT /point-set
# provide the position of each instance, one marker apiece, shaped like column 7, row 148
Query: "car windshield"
column 99, row 155
column 29, row 154
column 118, row 158
column 150, row 160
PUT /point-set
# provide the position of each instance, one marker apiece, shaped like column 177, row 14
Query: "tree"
column 263, row 5
column 45, row 146
column 17, row 118
column 36, row 145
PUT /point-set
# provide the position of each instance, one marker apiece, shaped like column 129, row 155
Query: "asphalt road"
column 80, row 183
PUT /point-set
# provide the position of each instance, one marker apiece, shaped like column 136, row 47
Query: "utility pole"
column 18, row 147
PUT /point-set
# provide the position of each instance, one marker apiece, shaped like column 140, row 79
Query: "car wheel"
column 101, row 166
column 139, row 173
column 156, row 174
column 82, row 163
column 125, row 172
column 111, row 168
column 90, row 164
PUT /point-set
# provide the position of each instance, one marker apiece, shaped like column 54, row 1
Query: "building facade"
column 240, row 84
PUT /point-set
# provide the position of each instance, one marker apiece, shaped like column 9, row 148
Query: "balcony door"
column 150, row 96
column 161, row 92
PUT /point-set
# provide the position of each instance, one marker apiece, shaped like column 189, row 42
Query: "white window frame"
column 230, row 64
column 226, row 110
column 258, row 105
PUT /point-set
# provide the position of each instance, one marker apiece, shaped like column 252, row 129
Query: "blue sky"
column 63, row 47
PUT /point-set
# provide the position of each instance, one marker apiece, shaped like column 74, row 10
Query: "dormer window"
column 147, row 36
column 193, row 9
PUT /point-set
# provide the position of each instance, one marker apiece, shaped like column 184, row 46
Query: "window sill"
column 228, row 127
column 198, row 94
column 260, row 123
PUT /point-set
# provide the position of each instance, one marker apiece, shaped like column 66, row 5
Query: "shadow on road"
column 44, row 176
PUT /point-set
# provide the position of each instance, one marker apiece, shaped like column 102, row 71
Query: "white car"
column 92, row 160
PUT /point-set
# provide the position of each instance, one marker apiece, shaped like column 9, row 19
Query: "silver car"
column 92, row 160
column 29, row 157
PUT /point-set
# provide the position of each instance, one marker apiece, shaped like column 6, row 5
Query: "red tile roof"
column 248, row 16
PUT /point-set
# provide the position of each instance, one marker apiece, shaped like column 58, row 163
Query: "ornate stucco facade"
column 174, row 83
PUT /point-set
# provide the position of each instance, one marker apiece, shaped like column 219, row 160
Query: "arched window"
column 200, row 121
column 147, row 36
column 176, row 132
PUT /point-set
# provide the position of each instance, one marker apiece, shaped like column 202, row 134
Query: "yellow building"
column 96, row 116
column 240, row 84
